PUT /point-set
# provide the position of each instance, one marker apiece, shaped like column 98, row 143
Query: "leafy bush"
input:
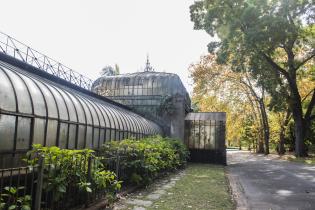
column 142, row 160
column 65, row 169
column 11, row 199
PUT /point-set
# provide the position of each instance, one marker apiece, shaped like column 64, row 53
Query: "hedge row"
column 143, row 160
column 81, row 171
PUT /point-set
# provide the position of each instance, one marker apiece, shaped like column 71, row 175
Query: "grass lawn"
column 306, row 160
column 203, row 186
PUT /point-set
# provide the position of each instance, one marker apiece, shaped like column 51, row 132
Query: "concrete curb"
column 237, row 191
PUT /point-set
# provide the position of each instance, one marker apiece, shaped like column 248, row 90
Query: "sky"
column 88, row 35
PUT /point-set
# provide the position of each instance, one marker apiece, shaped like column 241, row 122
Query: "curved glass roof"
column 166, row 83
column 36, row 110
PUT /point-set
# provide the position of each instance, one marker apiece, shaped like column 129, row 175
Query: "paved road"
column 265, row 182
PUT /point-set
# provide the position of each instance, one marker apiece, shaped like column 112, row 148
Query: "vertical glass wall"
column 205, row 136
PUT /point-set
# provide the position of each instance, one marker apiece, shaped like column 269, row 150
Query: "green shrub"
column 142, row 160
column 64, row 169
column 10, row 199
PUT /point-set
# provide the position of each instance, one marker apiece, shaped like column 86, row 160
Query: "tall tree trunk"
column 260, row 143
column 299, row 129
column 265, row 125
column 295, row 104
column 264, row 117
column 283, row 125
column 300, row 149
column 281, row 149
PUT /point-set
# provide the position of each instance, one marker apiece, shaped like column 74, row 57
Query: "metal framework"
column 205, row 136
column 142, row 91
column 36, row 110
column 24, row 53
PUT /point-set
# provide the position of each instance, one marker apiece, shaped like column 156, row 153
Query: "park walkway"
column 266, row 182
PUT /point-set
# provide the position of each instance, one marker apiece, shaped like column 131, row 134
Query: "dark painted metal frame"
column 99, row 112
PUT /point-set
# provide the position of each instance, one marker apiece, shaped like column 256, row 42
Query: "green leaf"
column 12, row 207
column 62, row 188
column 27, row 198
column 88, row 189
column 26, row 207
column 2, row 205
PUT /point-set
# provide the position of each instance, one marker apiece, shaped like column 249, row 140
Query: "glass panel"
column 81, row 136
column 102, row 137
column 7, row 101
column 133, row 124
column 196, row 136
column 212, row 135
column 107, row 135
column 99, row 115
column 51, row 104
column 118, row 135
column 7, row 127
column 87, row 111
column 96, row 138
column 113, row 134
column 93, row 112
column 114, row 117
column 39, row 131
column 208, row 135
column 22, row 94
column 51, row 136
column 126, row 135
column 63, row 135
column 72, row 132
column 81, row 114
column 106, row 115
column 38, row 100
column 61, row 104
column 89, row 137
column 23, row 133
column 71, row 109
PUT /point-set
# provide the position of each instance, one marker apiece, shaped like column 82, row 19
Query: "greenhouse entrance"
column 205, row 137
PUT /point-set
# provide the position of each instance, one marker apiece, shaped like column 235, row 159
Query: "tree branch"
column 274, row 65
column 310, row 106
column 305, row 61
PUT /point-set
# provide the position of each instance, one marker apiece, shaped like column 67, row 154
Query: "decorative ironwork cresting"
column 24, row 53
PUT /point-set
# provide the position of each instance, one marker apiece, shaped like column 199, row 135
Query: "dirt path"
column 265, row 182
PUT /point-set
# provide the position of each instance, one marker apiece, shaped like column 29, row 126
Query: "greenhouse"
column 35, row 110
column 159, row 96
column 44, row 102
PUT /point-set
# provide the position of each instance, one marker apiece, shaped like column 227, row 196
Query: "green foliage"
column 273, row 41
column 144, row 159
column 64, row 169
column 110, row 71
column 247, row 135
column 11, row 199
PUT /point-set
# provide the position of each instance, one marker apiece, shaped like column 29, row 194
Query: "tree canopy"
column 274, row 41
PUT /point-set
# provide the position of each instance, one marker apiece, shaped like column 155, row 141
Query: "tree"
column 218, row 88
column 110, row 71
column 275, row 38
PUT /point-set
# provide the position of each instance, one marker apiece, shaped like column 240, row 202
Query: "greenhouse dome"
column 146, row 88
column 159, row 96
